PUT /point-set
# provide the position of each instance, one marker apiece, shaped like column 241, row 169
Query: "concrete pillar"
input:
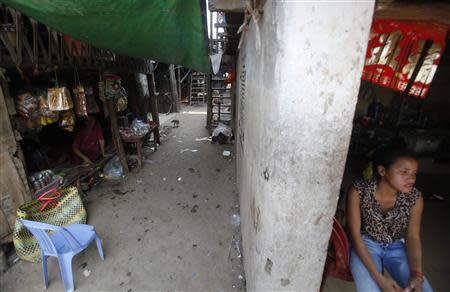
column 296, row 95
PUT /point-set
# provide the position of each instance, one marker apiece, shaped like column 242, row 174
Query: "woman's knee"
column 361, row 276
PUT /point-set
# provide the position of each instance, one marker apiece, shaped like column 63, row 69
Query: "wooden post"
column 209, row 102
column 179, row 83
column 134, row 96
column 154, row 105
column 173, row 84
column 116, row 135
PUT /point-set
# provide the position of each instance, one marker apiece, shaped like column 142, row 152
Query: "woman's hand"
column 87, row 161
column 415, row 284
column 389, row 285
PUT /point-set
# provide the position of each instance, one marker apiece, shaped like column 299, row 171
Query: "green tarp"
column 169, row 31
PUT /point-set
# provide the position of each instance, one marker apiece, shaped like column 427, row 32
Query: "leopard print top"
column 384, row 227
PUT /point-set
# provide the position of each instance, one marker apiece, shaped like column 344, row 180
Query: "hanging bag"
column 79, row 96
column 66, row 209
column 59, row 98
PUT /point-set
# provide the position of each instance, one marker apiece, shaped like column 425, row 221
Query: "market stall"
column 72, row 126
column 403, row 97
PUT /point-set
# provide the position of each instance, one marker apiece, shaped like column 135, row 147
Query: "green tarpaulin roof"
column 169, row 31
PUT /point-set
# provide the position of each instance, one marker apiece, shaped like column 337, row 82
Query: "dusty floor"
column 164, row 234
column 166, row 228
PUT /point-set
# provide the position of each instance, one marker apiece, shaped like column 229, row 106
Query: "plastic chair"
column 337, row 262
column 63, row 243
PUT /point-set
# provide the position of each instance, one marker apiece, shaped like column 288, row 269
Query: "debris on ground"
column 187, row 149
column 226, row 153
column 204, row 139
column 119, row 192
column 194, row 209
column 87, row 272
column 222, row 134
column 113, row 169
column 147, row 148
column 235, row 219
column 179, row 178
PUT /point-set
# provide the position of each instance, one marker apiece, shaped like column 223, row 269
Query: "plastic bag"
column 122, row 101
column 26, row 104
column 113, row 169
column 46, row 115
column 91, row 103
column 139, row 128
column 59, row 99
column 80, row 101
column 113, row 86
column 222, row 134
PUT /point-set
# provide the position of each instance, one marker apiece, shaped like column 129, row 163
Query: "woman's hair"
column 388, row 155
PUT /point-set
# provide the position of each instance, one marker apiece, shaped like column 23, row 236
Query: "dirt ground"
column 168, row 227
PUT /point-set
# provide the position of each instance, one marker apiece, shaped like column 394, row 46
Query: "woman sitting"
column 88, row 145
column 383, row 217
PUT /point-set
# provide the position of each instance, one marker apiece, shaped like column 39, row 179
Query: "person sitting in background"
column 88, row 145
column 383, row 217
column 375, row 111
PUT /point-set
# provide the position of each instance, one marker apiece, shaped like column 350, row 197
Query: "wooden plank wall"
column 14, row 189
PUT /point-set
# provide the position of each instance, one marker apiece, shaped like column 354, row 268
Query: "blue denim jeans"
column 391, row 257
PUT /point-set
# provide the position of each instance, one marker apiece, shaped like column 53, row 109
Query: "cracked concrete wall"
column 296, row 95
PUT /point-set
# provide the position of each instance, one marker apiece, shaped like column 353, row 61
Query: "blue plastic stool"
column 63, row 243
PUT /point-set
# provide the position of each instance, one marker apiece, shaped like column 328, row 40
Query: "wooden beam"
column 176, row 104
column 43, row 49
column 434, row 12
column 7, row 139
column 209, row 103
column 154, row 104
column 227, row 5
column 19, row 32
column 9, row 46
column 116, row 135
column 34, row 26
column 27, row 47
column 179, row 82
column 22, row 44
column 12, row 190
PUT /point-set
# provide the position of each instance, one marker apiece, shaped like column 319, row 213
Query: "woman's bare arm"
column 413, row 242
column 85, row 159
